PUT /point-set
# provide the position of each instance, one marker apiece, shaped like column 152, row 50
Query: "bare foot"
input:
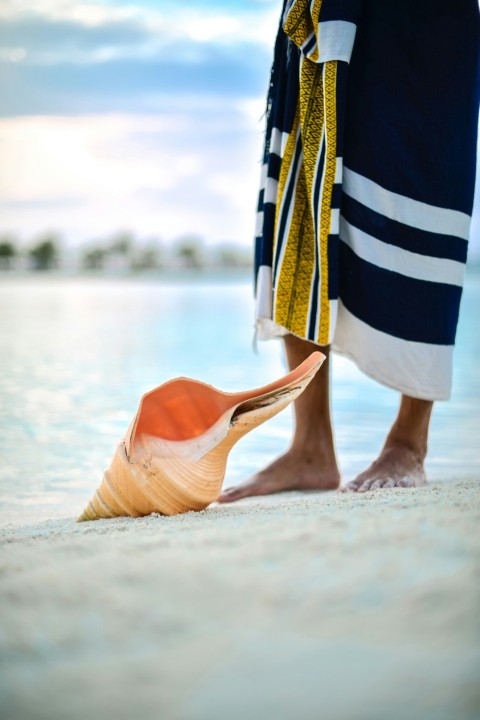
column 397, row 466
column 296, row 470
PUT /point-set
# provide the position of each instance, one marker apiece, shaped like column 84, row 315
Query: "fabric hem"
column 270, row 330
column 383, row 380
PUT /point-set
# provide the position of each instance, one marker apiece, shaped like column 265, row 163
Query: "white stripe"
column 333, row 305
column 278, row 140
column 405, row 262
column 263, row 305
column 335, row 223
column 271, row 191
column 338, row 170
column 267, row 329
column 259, row 224
column 275, row 141
column 335, row 40
column 263, row 176
column 403, row 209
column 416, row 369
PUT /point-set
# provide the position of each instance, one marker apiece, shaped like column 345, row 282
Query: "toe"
column 351, row 486
column 230, row 495
column 240, row 491
column 366, row 485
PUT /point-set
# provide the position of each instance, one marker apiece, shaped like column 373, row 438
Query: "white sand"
column 293, row 607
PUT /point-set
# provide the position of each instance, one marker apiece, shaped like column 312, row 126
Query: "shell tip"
column 84, row 517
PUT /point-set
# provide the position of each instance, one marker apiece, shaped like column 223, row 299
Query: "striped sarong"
column 367, row 183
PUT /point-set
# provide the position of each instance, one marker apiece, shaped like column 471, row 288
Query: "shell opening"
column 181, row 410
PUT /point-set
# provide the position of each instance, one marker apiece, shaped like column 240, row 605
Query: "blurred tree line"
column 44, row 255
column 122, row 252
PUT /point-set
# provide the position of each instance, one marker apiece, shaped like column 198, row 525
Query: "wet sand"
column 299, row 606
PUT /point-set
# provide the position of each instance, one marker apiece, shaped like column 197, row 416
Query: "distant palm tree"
column 146, row 258
column 229, row 255
column 122, row 243
column 45, row 255
column 8, row 252
column 94, row 259
column 190, row 252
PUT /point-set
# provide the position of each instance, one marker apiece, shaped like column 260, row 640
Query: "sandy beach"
column 296, row 606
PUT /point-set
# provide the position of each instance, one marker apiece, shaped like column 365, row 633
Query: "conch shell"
column 174, row 455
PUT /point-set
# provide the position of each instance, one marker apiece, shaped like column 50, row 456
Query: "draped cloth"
column 361, row 239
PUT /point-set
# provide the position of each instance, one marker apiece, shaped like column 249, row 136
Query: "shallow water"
column 77, row 354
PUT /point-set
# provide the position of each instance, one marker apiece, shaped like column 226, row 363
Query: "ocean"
column 77, row 354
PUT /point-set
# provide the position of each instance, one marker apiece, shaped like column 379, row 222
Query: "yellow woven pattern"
column 295, row 274
column 311, row 100
column 317, row 6
column 298, row 24
column 301, row 21
column 330, row 78
column 306, row 235
column 316, row 113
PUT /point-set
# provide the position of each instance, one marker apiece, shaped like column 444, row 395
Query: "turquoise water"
column 77, row 354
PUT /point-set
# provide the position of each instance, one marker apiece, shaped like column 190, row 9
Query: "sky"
column 141, row 116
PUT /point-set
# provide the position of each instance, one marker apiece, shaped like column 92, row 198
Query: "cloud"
column 58, row 32
column 69, row 57
column 32, row 42
column 85, row 13
column 193, row 168
column 138, row 115
column 136, row 86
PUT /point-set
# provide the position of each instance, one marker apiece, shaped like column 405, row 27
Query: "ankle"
column 410, row 429
column 397, row 438
column 316, row 450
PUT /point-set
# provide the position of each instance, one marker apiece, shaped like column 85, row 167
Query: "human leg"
column 310, row 462
column 401, row 461
column 409, row 169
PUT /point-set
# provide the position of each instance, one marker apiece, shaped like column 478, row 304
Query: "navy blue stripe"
column 256, row 262
column 313, row 313
column 333, row 266
column 336, row 196
column 285, row 78
column 266, row 251
column 410, row 309
column 286, row 205
column 403, row 236
column 274, row 165
column 413, row 93
column 349, row 10
column 261, row 196
column 341, row 96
